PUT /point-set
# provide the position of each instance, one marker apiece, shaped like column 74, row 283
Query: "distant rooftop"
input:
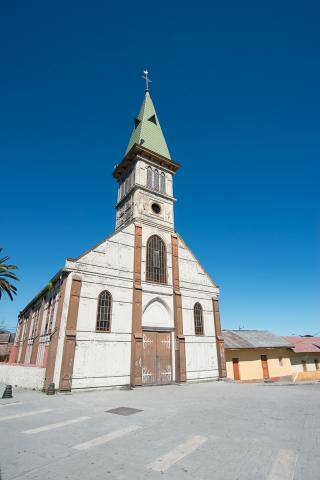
column 304, row 344
column 253, row 339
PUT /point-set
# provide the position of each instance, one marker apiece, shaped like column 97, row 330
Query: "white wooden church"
column 136, row 309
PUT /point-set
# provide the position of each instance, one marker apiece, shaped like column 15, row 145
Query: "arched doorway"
column 157, row 344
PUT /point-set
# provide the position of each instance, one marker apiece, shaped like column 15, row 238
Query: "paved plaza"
column 216, row 431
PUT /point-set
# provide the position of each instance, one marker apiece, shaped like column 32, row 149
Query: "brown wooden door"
column 156, row 358
column 265, row 369
column 236, row 370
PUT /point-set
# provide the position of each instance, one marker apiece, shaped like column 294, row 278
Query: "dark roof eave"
column 289, row 347
column 43, row 291
column 136, row 149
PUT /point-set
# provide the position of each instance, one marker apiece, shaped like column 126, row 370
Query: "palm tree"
column 6, row 272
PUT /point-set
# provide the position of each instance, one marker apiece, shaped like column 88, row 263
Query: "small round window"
column 156, row 208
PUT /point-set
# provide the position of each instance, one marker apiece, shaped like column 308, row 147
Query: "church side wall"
column 102, row 359
column 196, row 286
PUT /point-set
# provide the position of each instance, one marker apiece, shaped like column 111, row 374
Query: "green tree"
column 6, row 272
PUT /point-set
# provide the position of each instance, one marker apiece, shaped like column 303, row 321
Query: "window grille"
column 162, row 183
column 198, row 319
column 50, row 313
column 130, row 180
column 46, row 330
column 156, row 180
column 149, row 177
column 104, row 312
column 156, row 271
column 36, row 316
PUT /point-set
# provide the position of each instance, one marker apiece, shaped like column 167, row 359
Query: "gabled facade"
column 138, row 308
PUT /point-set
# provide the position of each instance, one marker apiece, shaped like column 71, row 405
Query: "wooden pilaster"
column 70, row 336
column 219, row 340
column 136, row 343
column 180, row 352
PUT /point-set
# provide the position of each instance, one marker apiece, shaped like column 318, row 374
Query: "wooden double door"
column 156, row 358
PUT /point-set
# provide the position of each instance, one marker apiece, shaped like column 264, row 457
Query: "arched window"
column 149, row 177
column 156, row 260
column 156, row 180
column 198, row 319
column 162, row 183
column 104, row 312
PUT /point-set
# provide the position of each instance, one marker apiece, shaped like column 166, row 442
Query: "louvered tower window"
column 156, row 180
column 149, row 177
column 162, row 183
column 156, row 260
column 104, row 312
column 198, row 319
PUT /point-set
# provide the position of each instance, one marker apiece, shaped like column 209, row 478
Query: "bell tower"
column 145, row 175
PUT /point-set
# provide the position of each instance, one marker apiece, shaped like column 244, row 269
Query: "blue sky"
column 236, row 88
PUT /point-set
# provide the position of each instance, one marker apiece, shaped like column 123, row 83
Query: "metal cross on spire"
column 147, row 79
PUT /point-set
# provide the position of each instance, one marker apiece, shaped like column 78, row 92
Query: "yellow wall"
column 250, row 362
column 306, row 376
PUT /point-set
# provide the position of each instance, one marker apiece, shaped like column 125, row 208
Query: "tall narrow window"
column 156, row 180
column 198, row 319
column 48, row 316
column 156, row 260
column 149, row 177
column 316, row 363
column 304, row 365
column 104, row 312
column 130, row 179
column 162, row 183
column 126, row 184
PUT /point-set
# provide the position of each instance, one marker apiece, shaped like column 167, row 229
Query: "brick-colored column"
column 15, row 348
column 35, row 345
column 180, row 351
column 69, row 347
column 26, row 338
column 52, row 348
column 219, row 339
column 136, row 338
column 13, row 354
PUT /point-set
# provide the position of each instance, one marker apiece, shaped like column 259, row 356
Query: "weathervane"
column 146, row 78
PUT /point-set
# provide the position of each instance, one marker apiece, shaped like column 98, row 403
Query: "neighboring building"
column 137, row 308
column 305, row 357
column 253, row 355
column 6, row 342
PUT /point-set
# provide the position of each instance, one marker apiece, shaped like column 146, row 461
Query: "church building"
column 137, row 308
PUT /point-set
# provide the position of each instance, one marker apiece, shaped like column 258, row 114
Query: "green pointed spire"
column 147, row 131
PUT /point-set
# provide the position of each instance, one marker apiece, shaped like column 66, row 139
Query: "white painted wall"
column 21, row 376
column 197, row 286
column 102, row 359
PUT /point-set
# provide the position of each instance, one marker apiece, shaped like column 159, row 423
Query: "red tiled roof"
column 304, row 344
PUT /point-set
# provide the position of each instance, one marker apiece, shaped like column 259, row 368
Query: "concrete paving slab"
column 246, row 428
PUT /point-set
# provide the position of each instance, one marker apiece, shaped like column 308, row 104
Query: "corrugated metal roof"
column 5, row 337
column 304, row 344
column 253, row 339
